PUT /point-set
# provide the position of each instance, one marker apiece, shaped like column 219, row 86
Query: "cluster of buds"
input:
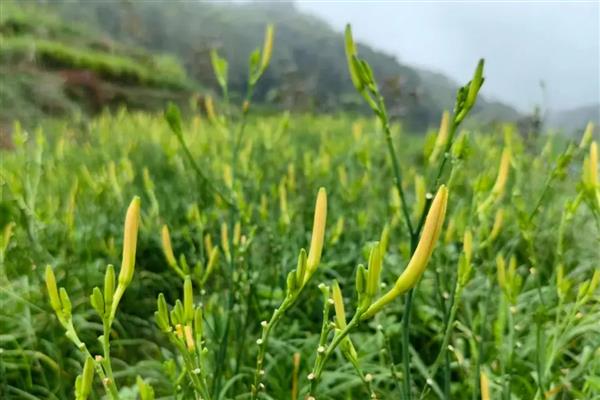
column 200, row 271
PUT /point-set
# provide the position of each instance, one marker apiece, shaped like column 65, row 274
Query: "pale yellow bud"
column 338, row 303
column 442, row 138
column 593, row 165
column 485, row 386
column 132, row 221
column 167, row 248
column 500, row 185
column 267, row 47
column 420, row 258
column 318, row 233
column 497, row 227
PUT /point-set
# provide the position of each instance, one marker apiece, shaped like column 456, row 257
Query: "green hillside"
column 307, row 72
column 50, row 66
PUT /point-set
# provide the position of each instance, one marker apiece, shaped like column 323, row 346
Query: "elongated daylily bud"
column 464, row 266
column 301, row 266
column 166, row 245
column 441, row 139
column 338, row 303
column 420, row 193
column 485, row 386
column 212, row 262
column 361, row 279
column 162, row 314
column 498, row 220
column 132, row 221
column 350, row 54
column 188, row 300
column 374, row 271
column 318, row 233
column 109, row 285
column 384, row 239
column 225, row 239
column 267, row 47
column 87, row 378
column 593, row 165
column 189, row 337
column 498, row 189
column 418, row 262
column 468, row 244
column 53, row 290
column 587, row 135
column 210, row 110
column 475, row 84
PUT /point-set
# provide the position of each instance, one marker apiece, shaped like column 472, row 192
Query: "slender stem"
column 406, row 344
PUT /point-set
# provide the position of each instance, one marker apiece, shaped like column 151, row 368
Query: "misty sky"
column 522, row 42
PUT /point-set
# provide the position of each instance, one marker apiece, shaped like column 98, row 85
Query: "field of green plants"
column 225, row 254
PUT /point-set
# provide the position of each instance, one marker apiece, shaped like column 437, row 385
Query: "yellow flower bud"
column 420, row 190
column 593, row 165
column 212, row 261
column 499, row 186
column 225, row 239
column 188, row 300
column 468, row 245
column 441, row 139
column 267, row 47
column 374, row 271
column 420, row 258
column 498, row 220
column 210, row 109
column 318, row 233
column 167, row 248
column 53, row 290
column 208, row 245
column 587, row 135
column 485, row 386
column 189, row 337
column 132, row 221
column 350, row 54
column 338, row 303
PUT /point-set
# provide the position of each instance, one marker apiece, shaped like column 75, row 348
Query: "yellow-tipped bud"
column 188, row 300
column 132, row 221
column 485, row 386
column 420, row 258
column 210, row 109
column 587, row 135
column 208, row 244
column 442, row 137
column 374, row 271
column 318, row 233
column 212, row 262
column 189, row 337
column 500, row 185
column 167, row 248
column 267, row 47
column 53, row 290
column 497, row 227
column 468, row 245
column 225, row 239
column 593, row 165
column 338, row 303
column 420, row 192
column 350, row 54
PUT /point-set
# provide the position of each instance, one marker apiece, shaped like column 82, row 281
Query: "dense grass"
column 68, row 200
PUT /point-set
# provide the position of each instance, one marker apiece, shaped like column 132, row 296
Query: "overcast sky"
column 522, row 42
